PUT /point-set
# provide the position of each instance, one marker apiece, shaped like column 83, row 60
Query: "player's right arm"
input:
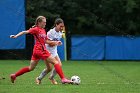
column 53, row 43
column 50, row 41
column 19, row 34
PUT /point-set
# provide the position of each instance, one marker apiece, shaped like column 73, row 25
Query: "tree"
column 92, row 17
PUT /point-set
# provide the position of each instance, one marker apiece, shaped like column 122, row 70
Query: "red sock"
column 22, row 71
column 59, row 71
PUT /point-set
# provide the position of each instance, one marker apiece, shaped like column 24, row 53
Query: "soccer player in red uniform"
column 54, row 34
column 39, row 51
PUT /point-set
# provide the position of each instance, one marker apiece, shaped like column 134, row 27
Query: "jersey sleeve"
column 50, row 35
column 46, row 38
column 32, row 30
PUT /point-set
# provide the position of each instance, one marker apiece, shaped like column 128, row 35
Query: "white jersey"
column 54, row 36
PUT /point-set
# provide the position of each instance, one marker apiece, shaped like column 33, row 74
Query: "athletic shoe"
column 13, row 78
column 53, row 81
column 38, row 81
column 64, row 81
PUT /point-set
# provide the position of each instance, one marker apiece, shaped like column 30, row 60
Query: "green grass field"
column 96, row 77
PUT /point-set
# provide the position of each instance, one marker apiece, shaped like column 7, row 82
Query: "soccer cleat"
column 64, row 81
column 38, row 81
column 53, row 81
column 13, row 78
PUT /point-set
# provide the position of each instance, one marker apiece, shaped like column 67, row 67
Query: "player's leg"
column 53, row 73
column 23, row 70
column 58, row 69
column 41, row 76
column 44, row 72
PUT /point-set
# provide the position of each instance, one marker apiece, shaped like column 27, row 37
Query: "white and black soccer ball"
column 76, row 80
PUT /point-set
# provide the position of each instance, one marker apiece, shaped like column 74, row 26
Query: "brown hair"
column 58, row 21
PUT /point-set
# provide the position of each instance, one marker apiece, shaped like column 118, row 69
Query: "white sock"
column 53, row 73
column 42, row 75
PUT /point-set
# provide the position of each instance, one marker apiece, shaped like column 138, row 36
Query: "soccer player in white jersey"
column 54, row 34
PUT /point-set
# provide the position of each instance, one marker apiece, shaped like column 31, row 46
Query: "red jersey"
column 40, row 37
column 39, row 51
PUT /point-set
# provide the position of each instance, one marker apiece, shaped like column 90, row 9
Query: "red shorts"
column 39, row 54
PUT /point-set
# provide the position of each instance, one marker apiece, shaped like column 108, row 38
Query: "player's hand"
column 13, row 36
column 59, row 43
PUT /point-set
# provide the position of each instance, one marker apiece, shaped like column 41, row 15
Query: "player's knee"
column 54, row 62
column 49, row 69
column 60, row 64
column 31, row 68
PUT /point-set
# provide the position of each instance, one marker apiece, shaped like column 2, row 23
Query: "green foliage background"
column 89, row 17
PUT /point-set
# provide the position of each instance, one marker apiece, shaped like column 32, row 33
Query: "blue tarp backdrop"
column 105, row 48
column 12, row 21
column 122, row 48
column 61, row 49
column 87, row 48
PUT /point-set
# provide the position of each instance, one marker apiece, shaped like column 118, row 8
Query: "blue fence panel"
column 122, row 48
column 61, row 50
column 87, row 47
column 12, row 21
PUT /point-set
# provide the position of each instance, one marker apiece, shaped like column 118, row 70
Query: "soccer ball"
column 76, row 80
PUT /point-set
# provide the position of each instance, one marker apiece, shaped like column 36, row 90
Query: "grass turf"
column 96, row 77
